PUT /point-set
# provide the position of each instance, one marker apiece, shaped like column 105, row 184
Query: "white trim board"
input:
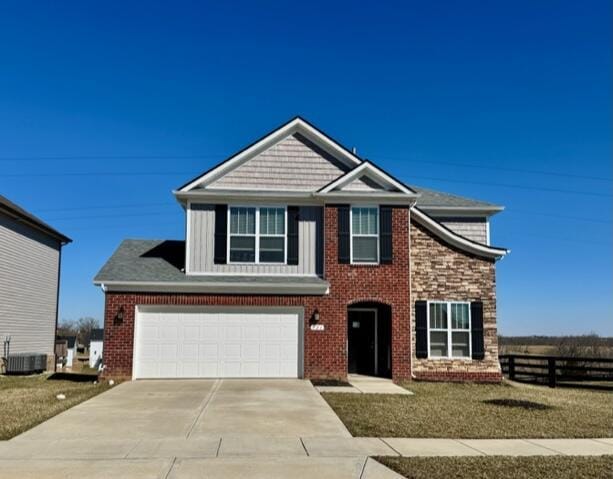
column 297, row 125
column 370, row 171
column 455, row 239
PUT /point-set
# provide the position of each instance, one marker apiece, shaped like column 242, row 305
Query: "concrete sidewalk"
column 234, row 446
column 256, row 456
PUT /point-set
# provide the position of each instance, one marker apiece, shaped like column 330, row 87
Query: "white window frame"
column 450, row 330
column 257, row 234
column 377, row 235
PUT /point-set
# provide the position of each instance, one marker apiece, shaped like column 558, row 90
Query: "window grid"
column 257, row 235
column 364, row 223
column 451, row 309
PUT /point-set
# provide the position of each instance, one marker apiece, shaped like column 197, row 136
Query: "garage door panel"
column 204, row 344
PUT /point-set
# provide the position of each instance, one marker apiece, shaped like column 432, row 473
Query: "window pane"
column 242, row 249
column 459, row 316
column 365, row 249
column 438, row 343
column 365, row 221
column 272, row 221
column 242, row 221
column 272, row 250
column 459, row 348
column 438, row 315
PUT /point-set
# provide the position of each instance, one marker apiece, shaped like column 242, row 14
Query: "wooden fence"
column 559, row 370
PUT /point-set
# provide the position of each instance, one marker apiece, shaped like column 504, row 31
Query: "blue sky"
column 105, row 107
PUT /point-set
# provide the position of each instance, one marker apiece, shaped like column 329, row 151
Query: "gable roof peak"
column 296, row 125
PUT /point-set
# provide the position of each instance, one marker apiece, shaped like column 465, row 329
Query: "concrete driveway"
column 194, row 428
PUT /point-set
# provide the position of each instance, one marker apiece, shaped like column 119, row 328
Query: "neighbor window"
column 257, row 234
column 449, row 329
column 364, row 235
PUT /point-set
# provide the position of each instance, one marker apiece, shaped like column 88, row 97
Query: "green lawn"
column 26, row 401
column 477, row 411
column 498, row 467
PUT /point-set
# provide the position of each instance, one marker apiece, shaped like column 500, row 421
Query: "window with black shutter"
column 221, row 233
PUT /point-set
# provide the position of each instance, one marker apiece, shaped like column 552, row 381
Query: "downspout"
column 410, row 298
column 57, row 304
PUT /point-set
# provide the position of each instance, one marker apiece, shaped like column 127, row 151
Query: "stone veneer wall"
column 440, row 272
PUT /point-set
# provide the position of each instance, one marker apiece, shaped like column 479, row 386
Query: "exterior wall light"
column 119, row 316
column 315, row 317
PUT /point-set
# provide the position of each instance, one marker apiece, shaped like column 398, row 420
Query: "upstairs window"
column 364, row 234
column 257, row 234
column 449, row 329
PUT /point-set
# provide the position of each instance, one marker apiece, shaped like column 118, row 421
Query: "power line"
column 222, row 155
column 515, row 186
column 502, row 168
column 108, row 157
column 97, row 173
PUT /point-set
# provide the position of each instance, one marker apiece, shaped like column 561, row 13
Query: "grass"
column 498, row 467
column 448, row 410
column 26, row 401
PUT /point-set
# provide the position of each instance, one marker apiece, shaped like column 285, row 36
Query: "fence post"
column 512, row 368
column 552, row 372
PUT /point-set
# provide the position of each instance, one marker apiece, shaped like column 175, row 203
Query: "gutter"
column 215, row 287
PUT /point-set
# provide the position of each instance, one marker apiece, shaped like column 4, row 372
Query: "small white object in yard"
column 61, row 396
column 111, row 382
column 95, row 382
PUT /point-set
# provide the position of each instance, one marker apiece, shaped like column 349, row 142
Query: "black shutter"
column 476, row 323
column 343, row 234
column 292, row 234
column 385, row 234
column 221, row 234
column 421, row 329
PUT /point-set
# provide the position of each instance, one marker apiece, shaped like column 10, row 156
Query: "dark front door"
column 362, row 340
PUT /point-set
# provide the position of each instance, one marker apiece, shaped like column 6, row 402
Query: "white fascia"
column 460, row 211
column 297, row 125
column 216, row 287
column 455, row 239
column 371, row 171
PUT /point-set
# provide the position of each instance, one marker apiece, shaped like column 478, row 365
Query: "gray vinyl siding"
column 202, row 236
column 472, row 228
column 292, row 164
column 362, row 184
column 29, row 262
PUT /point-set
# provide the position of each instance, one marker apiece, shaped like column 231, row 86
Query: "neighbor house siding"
column 440, row 272
column 202, row 236
column 472, row 228
column 292, row 164
column 29, row 262
column 362, row 184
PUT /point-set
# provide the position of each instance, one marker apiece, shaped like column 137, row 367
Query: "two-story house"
column 301, row 259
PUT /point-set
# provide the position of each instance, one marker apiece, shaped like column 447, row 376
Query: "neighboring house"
column 30, row 257
column 95, row 347
column 71, row 350
column 303, row 260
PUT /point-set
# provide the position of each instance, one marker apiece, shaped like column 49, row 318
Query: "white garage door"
column 214, row 344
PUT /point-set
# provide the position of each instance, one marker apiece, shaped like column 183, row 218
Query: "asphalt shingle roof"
column 439, row 199
column 162, row 261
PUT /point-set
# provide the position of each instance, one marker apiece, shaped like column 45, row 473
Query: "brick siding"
column 325, row 352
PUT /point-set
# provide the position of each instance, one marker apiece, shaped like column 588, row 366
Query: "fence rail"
column 558, row 370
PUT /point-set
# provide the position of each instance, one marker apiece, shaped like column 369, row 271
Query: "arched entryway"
column 369, row 339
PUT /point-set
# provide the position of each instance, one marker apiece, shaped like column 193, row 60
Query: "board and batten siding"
column 472, row 228
column 294, row 163
column 202, row 237
column 29, row 262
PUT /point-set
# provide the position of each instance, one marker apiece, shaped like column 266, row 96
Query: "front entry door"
column 362, row 338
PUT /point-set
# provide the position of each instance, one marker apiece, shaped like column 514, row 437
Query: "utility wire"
column 502, row 168
column 221, row 155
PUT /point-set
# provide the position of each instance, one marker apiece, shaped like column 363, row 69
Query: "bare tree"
column 84, row 328
column 67, row 327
